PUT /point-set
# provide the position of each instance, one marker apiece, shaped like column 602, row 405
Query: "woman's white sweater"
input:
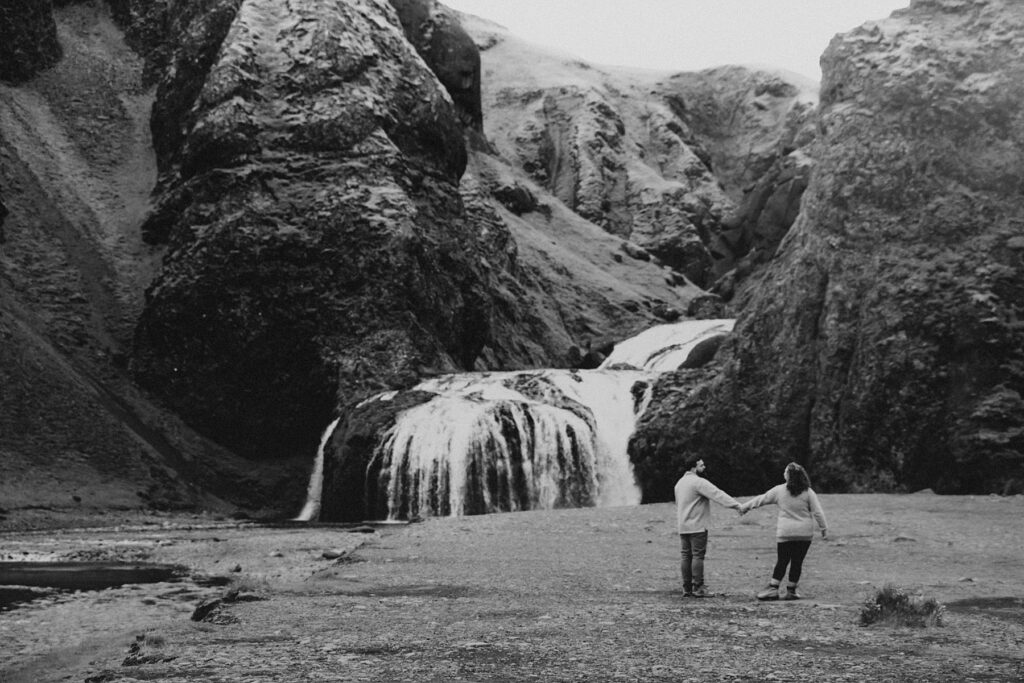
column 797, row 514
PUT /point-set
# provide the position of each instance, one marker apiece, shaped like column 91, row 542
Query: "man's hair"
column 798, row 481
column 691, row 462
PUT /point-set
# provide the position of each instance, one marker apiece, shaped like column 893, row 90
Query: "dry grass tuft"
column 894, row 606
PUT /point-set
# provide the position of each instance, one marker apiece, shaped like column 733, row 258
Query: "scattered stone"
column 205, row 608
column 137, row 657
column 516, row 198
column 666, row 312
column 708, row 307
column 636, row 251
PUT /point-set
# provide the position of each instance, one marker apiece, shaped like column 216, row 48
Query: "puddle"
column 13, row 597
column 86, row 575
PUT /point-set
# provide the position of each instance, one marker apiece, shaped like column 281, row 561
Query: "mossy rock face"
column 884, row 346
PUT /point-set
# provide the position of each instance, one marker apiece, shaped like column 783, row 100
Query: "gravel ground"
column 568, row 595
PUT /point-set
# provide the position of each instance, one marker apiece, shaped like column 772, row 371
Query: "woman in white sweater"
column 799, row 511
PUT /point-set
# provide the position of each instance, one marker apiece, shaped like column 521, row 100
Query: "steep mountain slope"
column 660, row 160
column 75, row 433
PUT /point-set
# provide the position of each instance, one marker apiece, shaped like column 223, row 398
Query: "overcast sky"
column 684, row 35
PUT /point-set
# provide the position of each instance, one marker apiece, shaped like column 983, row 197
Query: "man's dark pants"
column 694, row 547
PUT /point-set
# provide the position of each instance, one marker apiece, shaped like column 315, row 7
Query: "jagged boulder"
column 884, row 348
column 309, row 202
column 28, row 39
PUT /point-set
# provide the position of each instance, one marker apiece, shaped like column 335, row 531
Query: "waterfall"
column 512, row 441
column 665, row 347
column 311, row 510
column 521, row 440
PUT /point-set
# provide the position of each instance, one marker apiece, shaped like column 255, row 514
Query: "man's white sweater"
column 693, row 511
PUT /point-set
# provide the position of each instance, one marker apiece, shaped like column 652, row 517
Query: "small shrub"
column 894, row 606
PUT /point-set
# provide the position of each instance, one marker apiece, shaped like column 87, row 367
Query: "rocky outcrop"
column 751, row 233
column 657, row 160
column 581, row 144
column 317, row 243
column 754, row 130
column 883, row 346
column 28, row 39
column 351, row 486
column 743, row 120
column 448, row 50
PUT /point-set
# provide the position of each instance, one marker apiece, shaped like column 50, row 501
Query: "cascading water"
column 507, row 441
column 665, row 347
column 511, row 441
column 312, row 507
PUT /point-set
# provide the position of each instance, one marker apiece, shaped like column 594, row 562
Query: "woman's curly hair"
column 797, row 480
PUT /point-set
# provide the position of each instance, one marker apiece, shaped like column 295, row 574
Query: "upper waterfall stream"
column 520, row 440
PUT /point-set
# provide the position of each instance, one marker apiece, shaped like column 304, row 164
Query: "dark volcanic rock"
column 28, row 39
column 750, row 235
column 884, row 348
column 754, row 129
column 309, row 198
column 449, row 52
column 351, row 489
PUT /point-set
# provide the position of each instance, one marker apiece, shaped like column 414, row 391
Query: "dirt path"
column 567, row 595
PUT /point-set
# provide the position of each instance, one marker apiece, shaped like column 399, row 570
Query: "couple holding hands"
column 799, row 513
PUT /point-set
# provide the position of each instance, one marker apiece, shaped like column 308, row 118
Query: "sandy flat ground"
column 567, row 595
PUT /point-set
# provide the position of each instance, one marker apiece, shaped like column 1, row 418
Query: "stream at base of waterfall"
column 521, row 440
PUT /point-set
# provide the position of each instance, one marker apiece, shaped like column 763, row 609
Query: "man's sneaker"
column 769, row 593
column 687, row 594
column 701, row 592
column 790, row 594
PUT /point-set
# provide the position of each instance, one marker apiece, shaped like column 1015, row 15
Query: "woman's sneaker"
column 769, row 593
column 790, row 594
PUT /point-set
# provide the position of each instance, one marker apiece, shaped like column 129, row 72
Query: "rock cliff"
column 883, row 346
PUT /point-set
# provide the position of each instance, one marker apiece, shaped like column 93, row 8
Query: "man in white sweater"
column 693, row 513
